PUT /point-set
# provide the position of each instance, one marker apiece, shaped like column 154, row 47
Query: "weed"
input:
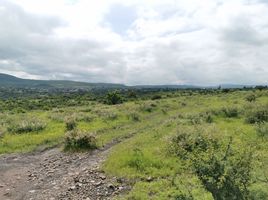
column 111, row 116
column 77, row 141
column 134, row 116
column 257, row 115
column 137, row 160
column 70, row 124
column 251, row 98
column 156, row 96
column 26, row 126
column 230, row 112
column 262, row 129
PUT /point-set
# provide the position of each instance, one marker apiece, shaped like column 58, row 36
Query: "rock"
column 149, row 179
column 120, row 188
column 32, row 191
column 103, row 177
column 76, row 179
column 1, row 186
column 79, row 184
column 98, row 183
column 7, row 193
column 72, row 187
column 111, row 186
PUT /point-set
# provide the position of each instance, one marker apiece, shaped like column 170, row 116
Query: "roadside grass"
column 27, row 142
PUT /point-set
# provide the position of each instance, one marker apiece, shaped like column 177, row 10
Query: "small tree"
column 113, row 98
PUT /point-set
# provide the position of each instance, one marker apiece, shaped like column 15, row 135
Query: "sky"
column 134, row 42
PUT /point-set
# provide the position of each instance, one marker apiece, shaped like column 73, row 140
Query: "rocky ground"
column 53, row 175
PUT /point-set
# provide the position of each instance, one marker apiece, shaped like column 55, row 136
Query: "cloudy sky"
column 206, row 42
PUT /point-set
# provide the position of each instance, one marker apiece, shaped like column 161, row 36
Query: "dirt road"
column 53, row 174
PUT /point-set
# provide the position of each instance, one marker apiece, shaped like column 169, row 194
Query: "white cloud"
column 136, row 42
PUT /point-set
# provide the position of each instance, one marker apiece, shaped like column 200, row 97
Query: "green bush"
column 222, row 171
column 77, row 141
column 262, row 129
column 188, row 141
column 134, row 116
column 137, row 160
column 156, row 96
column 200, row 118
column 258, row 194
column 183, row 197
column 251, row 98
column 230, row 112
column 70, row 124
column 257, row 115
column 147, row 107
column 113, row 98
column 207, row 117
column 26, row 126
column 86, row 118
column 111, row 116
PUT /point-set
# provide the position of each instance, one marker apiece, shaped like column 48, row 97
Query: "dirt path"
column 54, row 175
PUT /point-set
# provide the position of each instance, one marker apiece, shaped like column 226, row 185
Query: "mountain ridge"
column 7, row 80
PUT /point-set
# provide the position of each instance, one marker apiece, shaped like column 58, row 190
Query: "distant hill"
column 12, row 81
column 15, row 82
column 165, row 86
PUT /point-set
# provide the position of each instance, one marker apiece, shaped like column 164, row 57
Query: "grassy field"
column 159, row 154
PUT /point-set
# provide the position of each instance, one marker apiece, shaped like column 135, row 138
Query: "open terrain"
column 151, row 146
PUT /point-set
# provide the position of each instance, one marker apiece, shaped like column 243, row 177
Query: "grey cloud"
column 240, row 31
column 28, row 40
column 196, row 54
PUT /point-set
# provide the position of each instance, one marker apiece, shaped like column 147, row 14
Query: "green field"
column 161, row 153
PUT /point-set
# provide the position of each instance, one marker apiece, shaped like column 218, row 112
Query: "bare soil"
column 53, row 174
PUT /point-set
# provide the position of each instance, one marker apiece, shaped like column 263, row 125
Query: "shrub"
column 70, row 124
column 258, row 194
column 251, row 98
column 156, row 96
column 27, row 126
column 58, row 117
column 134, row 116
column 164, row 111
column 225, row 175
column 230, row 112
column 138, row 160
column 183, row 197
column 195, row 119
column 113, row 98
column 200, row 118
column 207, row 117
column 111, row 116
column 188, row 141
column 262, row 129
column 1, row 132
column 86, row 118
column 183, row 104
column 147, row 107
column 76, row 141
column 223, row 172
column 257, row 115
